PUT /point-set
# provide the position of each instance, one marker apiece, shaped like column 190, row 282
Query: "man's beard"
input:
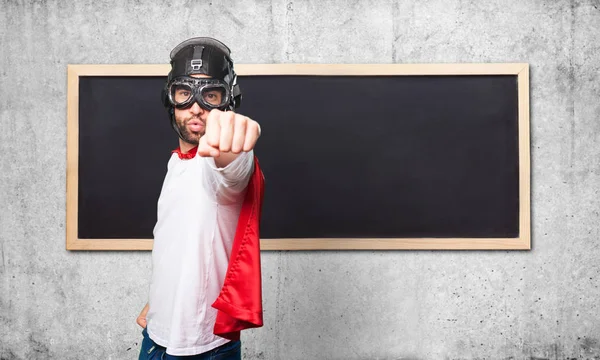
column 188, row 136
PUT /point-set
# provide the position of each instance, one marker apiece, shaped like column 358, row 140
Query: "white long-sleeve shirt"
column 198, row 210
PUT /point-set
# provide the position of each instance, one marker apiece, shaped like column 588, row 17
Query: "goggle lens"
column 211, row 94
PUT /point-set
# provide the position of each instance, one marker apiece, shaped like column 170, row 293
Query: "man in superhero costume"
column 205, row 285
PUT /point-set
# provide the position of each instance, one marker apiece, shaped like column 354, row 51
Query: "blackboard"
column 355, row 157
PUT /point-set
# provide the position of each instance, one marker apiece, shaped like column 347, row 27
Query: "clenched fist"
column 227, row 131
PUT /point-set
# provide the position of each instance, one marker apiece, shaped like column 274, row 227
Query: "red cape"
column 239, row 303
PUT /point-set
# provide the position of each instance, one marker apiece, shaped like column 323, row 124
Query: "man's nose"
column 196, row 109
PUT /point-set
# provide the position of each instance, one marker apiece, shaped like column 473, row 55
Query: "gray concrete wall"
column 538, row 304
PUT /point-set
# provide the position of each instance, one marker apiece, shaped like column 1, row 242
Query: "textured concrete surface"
column 541, row 304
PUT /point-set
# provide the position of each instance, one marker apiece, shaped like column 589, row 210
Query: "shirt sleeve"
column 228, row 183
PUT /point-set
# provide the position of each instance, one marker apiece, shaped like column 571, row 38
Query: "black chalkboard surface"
column 375, row 159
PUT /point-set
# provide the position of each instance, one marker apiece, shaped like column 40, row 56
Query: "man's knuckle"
column 226, row 119
column 254, row 126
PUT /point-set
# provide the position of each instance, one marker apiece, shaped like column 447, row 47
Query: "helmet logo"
column 196, row 64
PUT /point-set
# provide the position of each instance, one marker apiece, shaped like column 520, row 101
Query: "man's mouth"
column 195, row 125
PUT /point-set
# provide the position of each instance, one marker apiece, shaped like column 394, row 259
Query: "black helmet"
column 201, row 55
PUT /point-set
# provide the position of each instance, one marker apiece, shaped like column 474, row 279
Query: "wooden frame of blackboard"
column 521, row 70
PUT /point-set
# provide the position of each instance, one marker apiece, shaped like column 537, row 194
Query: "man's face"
column 192, row 121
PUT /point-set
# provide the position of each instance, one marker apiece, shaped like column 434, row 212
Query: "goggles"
column 208, row 93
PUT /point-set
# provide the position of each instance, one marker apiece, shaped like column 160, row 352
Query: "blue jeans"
column 152, row 351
